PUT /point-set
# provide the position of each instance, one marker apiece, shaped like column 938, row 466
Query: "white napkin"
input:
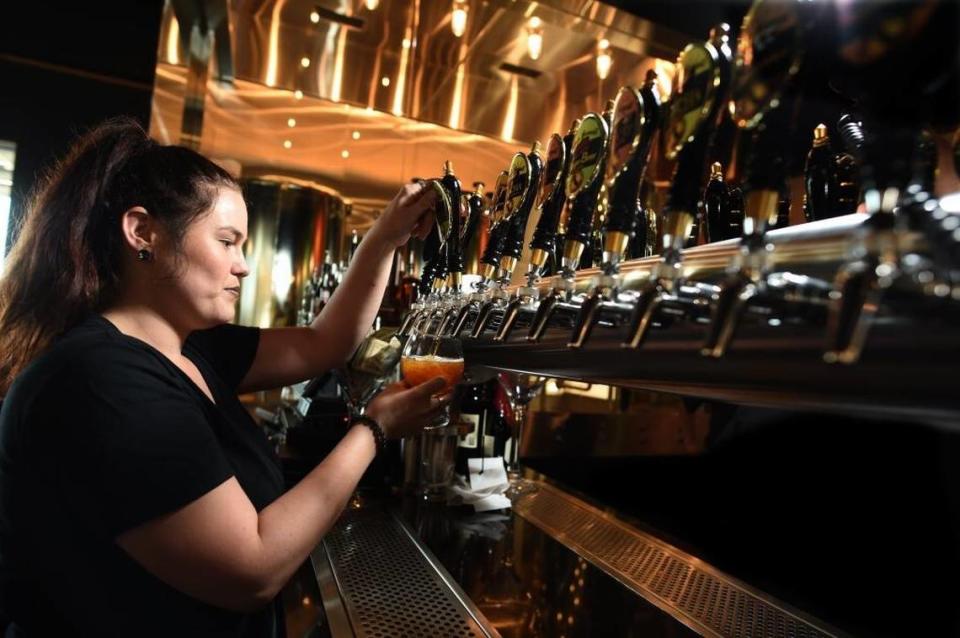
column 485, row 491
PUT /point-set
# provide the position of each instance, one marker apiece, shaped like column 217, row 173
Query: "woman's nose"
column 240, row 268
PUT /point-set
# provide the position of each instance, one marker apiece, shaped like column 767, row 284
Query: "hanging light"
column 305, row 62
column 315, row 16
column 534, row 38
column 371, row 5
column 604, row 61
column 458, row 17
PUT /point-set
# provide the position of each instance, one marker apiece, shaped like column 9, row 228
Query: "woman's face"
column 212, row 262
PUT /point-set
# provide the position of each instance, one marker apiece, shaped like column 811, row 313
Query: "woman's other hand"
column 403, row 411
column 409, row 214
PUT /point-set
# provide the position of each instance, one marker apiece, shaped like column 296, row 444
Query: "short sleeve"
column 229, row 349
column 129, row 443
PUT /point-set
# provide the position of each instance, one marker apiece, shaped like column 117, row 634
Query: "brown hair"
column 66, row 262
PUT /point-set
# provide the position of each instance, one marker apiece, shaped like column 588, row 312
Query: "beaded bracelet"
column 379, row 436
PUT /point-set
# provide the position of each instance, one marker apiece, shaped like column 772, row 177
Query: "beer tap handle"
column 587, row 318
column 648, row 302
column 490, row 259
column 445, row 321
column 735, row 294
column 584, row 178
column 550, row 200
column 484, row 316
column 521, row 192
column 407, row 323
column 636, row 116
column 853, row 305
column 454, row 251
column 541, row 319
column 463, row 316
column 509, row 319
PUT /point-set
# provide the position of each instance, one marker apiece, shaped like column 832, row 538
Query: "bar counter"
column 554, row 565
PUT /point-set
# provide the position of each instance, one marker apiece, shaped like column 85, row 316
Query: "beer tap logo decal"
column 588, row 146
column 517, row 184
column 695, row 89
column 769, row 50
column 626, row 130
column 443, row 210
column 550, row 176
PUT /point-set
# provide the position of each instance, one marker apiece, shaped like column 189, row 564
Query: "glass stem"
column 519, row 417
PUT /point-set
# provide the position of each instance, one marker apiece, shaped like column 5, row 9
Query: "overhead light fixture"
column 305, row 62
column 371, row 5
column 534, row 38
column 355, row 135
column 385, row 81
column 298, row 94
column 458, row 17
column 314, row 16
column 604, row 61
column 287, row 144
column 291, row 122
column 344, row 153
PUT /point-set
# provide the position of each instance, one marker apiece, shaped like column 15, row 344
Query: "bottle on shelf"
column 715, row 227
column 476, row 414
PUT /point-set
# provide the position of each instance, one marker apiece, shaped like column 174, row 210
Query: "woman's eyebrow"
column 237, row 233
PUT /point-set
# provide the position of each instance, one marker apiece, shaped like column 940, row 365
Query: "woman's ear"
column 139, row 229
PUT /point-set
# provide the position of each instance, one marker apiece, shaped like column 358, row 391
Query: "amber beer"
column 419, row 369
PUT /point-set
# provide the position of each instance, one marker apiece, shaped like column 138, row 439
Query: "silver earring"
column 144, row 255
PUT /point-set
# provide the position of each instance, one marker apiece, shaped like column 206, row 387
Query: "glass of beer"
column 426, row 357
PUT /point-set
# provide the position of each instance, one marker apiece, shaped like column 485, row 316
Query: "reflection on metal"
column 173, row 40
column 429, row 68
column 204, row 26
column 273, row 45
column 698, row 595
column 248, row 124
column 574, row 419
column 389, row 584
column 291, row 231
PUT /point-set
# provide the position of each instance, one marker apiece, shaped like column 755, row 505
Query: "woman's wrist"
column 379, row 435
column 378, row 244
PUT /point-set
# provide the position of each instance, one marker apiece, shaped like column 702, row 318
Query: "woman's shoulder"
column 91, row 353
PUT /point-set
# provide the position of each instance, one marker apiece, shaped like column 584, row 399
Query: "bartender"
column 137, row 496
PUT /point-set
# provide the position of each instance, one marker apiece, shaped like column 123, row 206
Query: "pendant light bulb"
column 458, row 17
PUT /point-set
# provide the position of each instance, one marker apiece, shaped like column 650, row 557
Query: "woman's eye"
column 226, row 242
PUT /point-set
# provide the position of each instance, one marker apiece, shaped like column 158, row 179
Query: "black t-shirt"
column 101, row 434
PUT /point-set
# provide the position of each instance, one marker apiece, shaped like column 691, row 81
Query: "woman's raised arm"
column 289, row 355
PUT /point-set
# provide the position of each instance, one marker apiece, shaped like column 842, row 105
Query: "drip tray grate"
column 390, row 586
column 699, row 596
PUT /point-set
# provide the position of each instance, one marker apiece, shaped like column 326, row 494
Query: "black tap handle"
column 585, row 176
column 497, row 234
column 635, row 120
column 551, row 194
column 469, row 236
column 692, row 154
column 513, row 245
column 851, row 132
column 454, row 250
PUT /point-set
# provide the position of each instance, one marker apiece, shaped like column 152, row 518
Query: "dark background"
column 66, row 66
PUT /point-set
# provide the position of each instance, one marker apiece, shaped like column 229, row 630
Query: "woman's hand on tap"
column 410, row 214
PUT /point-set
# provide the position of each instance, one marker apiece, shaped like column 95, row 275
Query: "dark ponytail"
column 66, row 261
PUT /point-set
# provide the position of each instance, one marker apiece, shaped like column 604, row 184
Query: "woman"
column 137, row 497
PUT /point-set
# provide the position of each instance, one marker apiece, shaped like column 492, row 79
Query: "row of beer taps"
column 589, row 180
